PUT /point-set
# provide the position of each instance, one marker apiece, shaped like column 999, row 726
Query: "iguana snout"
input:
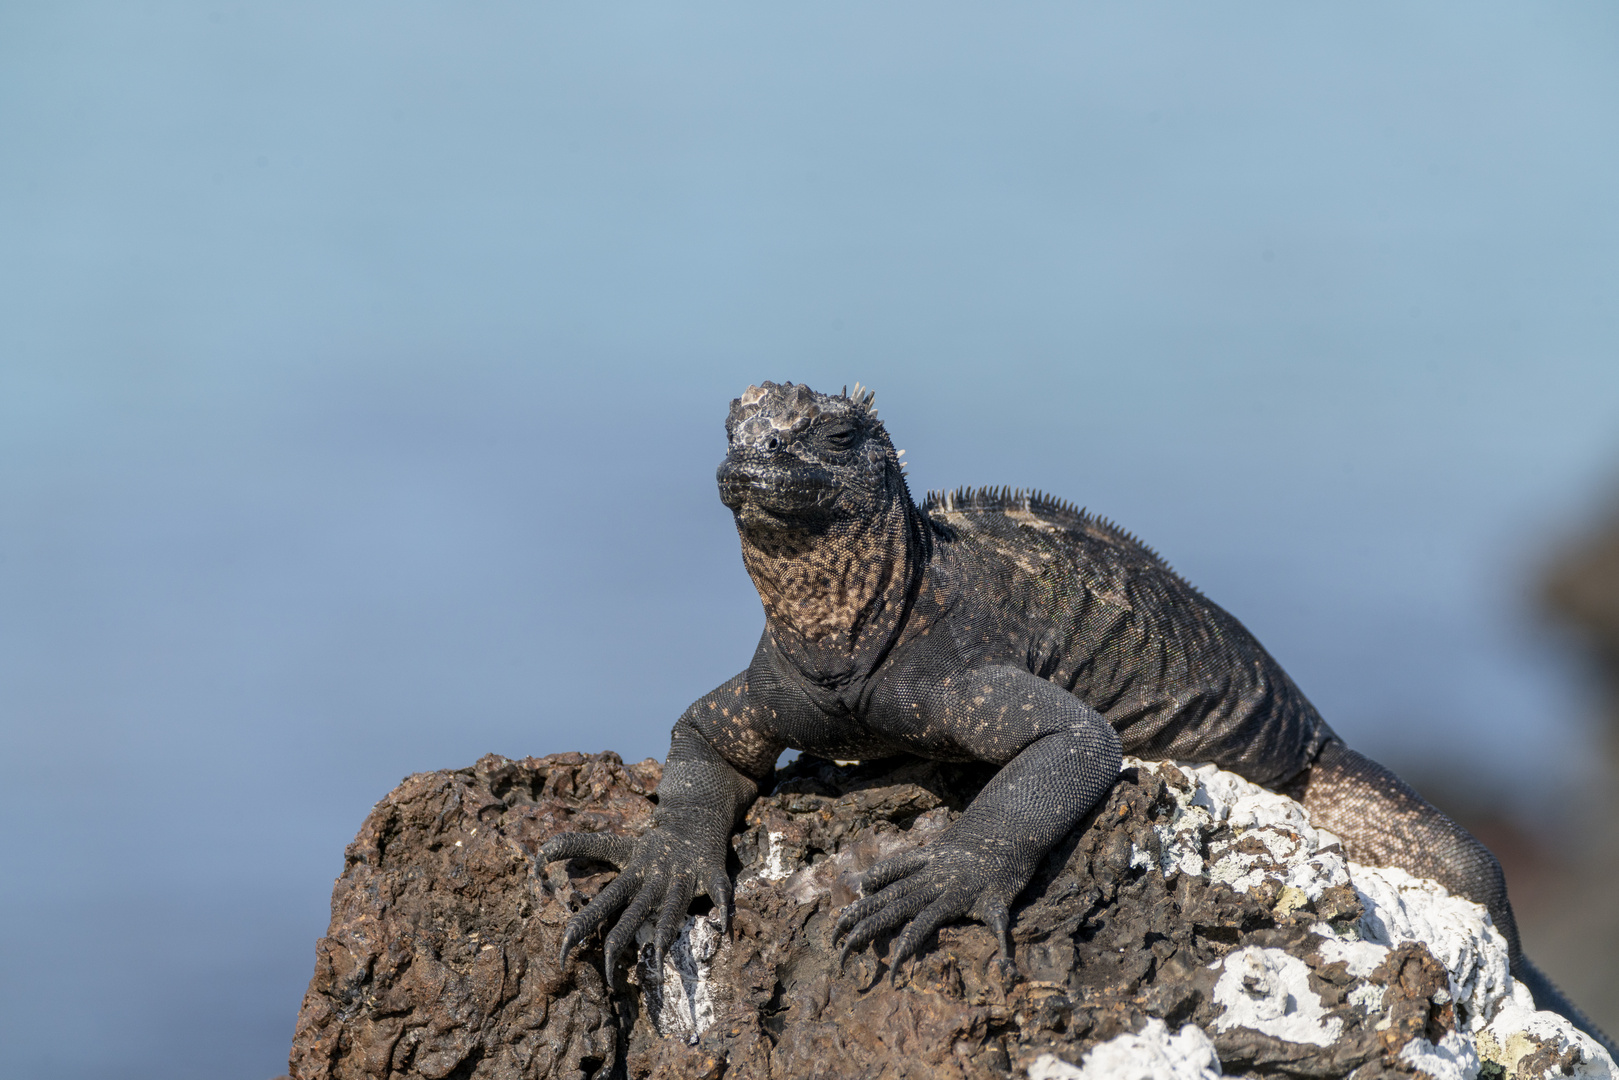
column 793, row 451
column 751, row 481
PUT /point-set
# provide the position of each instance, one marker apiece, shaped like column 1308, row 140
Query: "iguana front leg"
column 702, row 795
column 1060, row 758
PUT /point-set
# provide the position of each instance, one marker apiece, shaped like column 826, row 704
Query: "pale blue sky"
column 363, row 366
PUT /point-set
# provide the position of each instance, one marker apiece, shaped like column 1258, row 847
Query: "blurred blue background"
column 363, row 368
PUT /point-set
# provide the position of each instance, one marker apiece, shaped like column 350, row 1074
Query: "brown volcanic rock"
column 441, row 955
column 441, row 958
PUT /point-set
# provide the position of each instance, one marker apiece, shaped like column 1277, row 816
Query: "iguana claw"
column 660, row 874
column 922, row 891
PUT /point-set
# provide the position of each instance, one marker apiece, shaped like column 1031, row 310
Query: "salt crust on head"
column 782, row 409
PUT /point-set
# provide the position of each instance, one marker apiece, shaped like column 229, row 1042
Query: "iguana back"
column 1101, row 614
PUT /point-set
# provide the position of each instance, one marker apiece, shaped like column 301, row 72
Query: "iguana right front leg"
column 1058, row 758
column 702, row 796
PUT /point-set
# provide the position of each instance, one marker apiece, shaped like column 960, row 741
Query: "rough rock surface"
column 1195, row 925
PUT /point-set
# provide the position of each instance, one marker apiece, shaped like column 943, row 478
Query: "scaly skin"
column 981, row 626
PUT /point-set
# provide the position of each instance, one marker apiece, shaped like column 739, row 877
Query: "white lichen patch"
column 1519, row 1033
column 1269, row 991
column 680, row 998
column 780, row 862
column 1266, row 836
column 1226, row 829
column 1459, row 933
column 1153, row 1053
column 1236, row 832
column 1453, row 1059
column 1359, row 957
column 1367, row 997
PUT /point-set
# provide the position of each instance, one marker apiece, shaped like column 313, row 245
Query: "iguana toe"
column 922, row 891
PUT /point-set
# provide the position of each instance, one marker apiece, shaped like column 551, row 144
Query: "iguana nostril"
column 772, row 443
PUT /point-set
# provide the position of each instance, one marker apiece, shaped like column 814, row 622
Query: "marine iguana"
column 996, row 626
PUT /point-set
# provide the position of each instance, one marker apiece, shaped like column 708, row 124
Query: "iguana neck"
column 835, row 595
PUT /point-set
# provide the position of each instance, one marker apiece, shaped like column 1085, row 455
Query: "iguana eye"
column 842, row 437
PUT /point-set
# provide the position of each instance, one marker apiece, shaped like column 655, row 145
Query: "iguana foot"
column 662, row 872
column 941, row 883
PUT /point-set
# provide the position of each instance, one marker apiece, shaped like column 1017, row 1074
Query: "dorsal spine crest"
column 1031, row 500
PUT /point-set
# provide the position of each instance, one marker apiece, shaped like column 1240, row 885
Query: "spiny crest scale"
column 863, row 398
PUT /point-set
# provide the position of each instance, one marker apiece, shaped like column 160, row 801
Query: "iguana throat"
column 829, row 533
column 830, row 585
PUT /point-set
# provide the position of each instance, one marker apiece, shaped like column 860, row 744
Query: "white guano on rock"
column 1153, row 1053
column 1269, row 991
column 1209, row 832
column 680, row 997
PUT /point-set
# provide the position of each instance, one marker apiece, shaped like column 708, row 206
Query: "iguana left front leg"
column 1060, row 757
column 719, row 755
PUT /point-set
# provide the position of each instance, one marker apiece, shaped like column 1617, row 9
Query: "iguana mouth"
column 774, row 488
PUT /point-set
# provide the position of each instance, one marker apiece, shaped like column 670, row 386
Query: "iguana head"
column 829, row 533
column 799, row 459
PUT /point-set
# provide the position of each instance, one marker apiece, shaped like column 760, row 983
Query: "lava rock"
column 1193, row 924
